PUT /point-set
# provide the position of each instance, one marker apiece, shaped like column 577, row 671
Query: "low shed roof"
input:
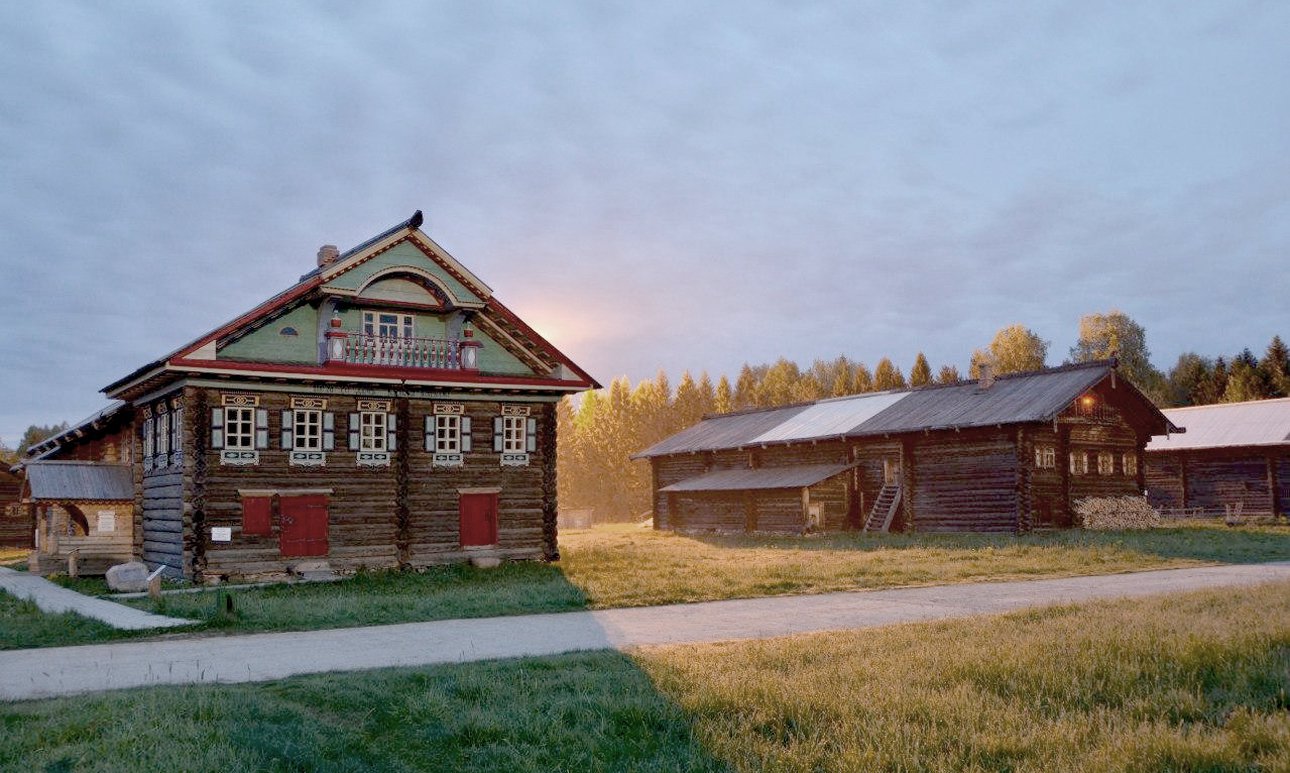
column 1228, row 425
column 797, row 476
column 1012, row 399
column 74, row 481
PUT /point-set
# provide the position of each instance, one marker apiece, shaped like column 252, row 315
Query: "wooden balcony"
column 437, row 353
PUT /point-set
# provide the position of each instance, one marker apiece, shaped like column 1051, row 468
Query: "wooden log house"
column 1235, row 458
column 1000, row 454
column 387, row 410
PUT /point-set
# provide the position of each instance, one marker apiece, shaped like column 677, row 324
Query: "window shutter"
column 261, row 428
column 329, row 431
column 429, row 433
column 288, row 441
column 217, row 428
column 498, row 423
column 392, row 433
column 257, row 516
column 354, row 442
column 531, row 431
column 465, row 435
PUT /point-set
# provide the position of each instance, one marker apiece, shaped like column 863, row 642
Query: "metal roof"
column 832, row 418
column 1228, row 425
column 797, row 476
column 729, row 430
column 80, row 481
column 1012, row 399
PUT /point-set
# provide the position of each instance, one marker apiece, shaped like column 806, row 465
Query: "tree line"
column 597, row 435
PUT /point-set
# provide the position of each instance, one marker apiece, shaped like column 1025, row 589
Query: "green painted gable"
column 402, row 254
column 268, row 344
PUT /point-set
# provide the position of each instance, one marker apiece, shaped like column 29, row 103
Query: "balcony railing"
column 441, row 353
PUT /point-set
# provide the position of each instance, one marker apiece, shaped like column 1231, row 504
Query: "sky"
column 652, row 185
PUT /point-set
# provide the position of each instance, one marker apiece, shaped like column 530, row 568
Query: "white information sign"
column 107, row 520
column 221, row 534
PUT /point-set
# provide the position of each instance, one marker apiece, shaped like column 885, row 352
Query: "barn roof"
column 80, row 481
column 50, row 445
column 1012, row 399
column 796, row 476
column 1228, row 425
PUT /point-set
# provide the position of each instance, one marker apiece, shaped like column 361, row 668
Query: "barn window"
column 514, row 434
column 1130, row 463
column 1079, row 463
column 1045, row 457
column 1105, row 463
column 239, row 427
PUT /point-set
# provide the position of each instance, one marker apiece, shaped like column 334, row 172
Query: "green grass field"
column 1190, row 682
column 628, row 566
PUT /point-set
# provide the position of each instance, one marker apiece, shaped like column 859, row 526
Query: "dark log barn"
column 1235, row 457
column 387, row 410
column 1008, row 454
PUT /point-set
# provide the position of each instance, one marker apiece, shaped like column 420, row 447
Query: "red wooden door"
column 304, row 525
column 478, row 519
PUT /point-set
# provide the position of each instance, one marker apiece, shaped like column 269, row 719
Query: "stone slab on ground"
column 57, row 599
column 26, row 674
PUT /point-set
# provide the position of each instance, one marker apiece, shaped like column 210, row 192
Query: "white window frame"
column 1129, row 463
column 447, row 434
column 149, row 438
column 234, row 438
column 176, row 429
column 1105, row 463
column 373, row 432
column 1079, row 462
column 400, row 326
column 162, row 431
column 515, row 434
column 1045, row 457
column 307, row 429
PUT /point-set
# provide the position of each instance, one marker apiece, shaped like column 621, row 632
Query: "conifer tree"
column 723, row 400
column 948, row 375
column 887, row 376
column 861, row 379
column 921, row 373
column 745, row 388
column 1275, row 367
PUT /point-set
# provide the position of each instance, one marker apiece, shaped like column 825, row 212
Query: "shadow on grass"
column 1203, row 542
column 590, row 711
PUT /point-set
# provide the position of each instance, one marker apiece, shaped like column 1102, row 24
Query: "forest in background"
column 598, row 434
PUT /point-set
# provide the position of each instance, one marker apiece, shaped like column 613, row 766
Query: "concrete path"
column 259, row 657
column 55, row 598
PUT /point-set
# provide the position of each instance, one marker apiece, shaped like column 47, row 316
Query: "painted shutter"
column 329, row 431
column 217, row 428
column 498, row 424
column 429, row 433
column 288, row 438
column 257, row 516
column 531, row 431
column 392, row 432
column 465, row 434
column 354, row 442
column 261, row 428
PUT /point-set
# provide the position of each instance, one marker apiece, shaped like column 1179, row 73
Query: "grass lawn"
column 14, row 558
column 628, row 566
column 1189, row 682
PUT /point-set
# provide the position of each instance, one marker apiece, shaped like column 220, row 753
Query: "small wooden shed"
column 15, row 524
column 1235, row 456
column 84, row 508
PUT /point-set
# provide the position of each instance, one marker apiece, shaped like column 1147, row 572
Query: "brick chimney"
column 987, row 376
column 327, row 255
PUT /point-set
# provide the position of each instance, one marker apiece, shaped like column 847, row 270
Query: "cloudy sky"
column 654, row 185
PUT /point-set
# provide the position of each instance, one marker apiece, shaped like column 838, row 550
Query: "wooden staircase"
column 884, row 508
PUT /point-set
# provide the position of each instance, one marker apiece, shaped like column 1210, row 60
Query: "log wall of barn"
column 669, row 470
column 831, row 496
column 965, row 481
column 1094, row 437
column 1209, row 481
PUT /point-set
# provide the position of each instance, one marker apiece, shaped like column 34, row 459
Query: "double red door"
column 304, row 525
column 478, row 519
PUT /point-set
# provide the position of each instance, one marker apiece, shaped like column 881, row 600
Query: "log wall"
column 965, row 481
column 1207, row 482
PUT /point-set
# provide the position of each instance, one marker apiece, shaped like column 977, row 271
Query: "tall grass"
column 1193, row 682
